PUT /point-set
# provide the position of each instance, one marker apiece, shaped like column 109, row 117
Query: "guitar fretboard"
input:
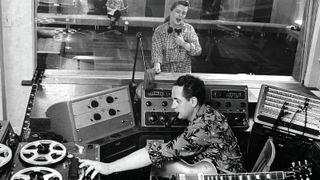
column 275, row 175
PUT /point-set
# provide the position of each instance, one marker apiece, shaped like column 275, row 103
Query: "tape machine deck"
column 47, row 159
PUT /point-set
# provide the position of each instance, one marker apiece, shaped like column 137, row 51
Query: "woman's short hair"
column 181, row 2
column 192, row 87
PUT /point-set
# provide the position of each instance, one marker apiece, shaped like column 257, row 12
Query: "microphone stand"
column 139, row 36
column 132, row 84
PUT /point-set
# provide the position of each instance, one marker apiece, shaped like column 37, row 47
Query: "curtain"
column 305, row 39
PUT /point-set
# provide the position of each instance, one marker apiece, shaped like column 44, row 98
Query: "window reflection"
column 246, row 36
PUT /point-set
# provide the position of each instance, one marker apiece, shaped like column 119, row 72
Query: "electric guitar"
column 180, row 170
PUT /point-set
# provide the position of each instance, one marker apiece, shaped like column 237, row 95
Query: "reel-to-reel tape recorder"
column 48, row 160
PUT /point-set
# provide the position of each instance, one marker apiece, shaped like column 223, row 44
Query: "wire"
column 294, row 115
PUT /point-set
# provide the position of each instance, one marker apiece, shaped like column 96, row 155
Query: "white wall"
column 18, row 54
column 2, row 94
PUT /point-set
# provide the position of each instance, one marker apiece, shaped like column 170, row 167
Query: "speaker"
column 93, row 116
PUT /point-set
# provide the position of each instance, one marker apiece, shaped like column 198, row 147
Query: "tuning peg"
column 299, row 163
column 293, row 164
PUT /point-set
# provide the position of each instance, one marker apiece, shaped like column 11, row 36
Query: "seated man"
column 114, row 11
column 208, row 136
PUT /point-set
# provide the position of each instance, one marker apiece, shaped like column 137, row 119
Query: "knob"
column 217, row 104
column 163, row 118
column 148, row 103
column 242, row 104
column 164, row 103
column 152, row 118
column 97, row 116
column 110, row 99
column 228, row 104
column 112, row 112
column 94, row 104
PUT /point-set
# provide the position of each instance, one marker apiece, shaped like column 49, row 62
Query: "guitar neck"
column 275, row 175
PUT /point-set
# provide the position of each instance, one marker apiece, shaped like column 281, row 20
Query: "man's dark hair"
column 192, row 87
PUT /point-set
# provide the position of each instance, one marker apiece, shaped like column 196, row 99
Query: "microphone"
column 178, row 31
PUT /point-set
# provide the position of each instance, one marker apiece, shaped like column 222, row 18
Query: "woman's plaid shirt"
column 172, row 57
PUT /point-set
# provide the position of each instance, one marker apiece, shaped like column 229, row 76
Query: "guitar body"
column 181, row 167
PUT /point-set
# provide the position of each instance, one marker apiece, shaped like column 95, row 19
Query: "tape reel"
column 37, row 173
column 43, row 152
column 5, row 154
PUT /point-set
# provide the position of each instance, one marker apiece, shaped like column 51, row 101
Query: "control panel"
column 231, row 101
column 156, row 108
column 288, row 111
column 93, row 116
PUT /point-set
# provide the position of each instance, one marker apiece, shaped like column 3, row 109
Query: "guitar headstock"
column 299, row 171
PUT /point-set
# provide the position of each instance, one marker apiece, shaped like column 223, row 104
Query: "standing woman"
column 174, row 42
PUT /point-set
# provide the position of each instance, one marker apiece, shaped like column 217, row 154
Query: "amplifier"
column 288, row 111
column 93, row 116
column 231, row 101
column 156, row 108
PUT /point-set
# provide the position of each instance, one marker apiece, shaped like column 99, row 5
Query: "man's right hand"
column 95, row 167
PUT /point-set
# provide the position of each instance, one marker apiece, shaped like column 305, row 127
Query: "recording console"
column 289, row 112
column 232, row 101
column 47, row 159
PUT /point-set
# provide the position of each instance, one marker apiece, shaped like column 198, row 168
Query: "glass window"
column 246, row 36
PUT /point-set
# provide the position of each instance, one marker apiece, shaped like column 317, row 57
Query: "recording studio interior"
column 72, row 87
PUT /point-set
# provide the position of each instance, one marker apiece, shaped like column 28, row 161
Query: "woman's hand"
column 95, row 167
column 181, row 42
column 157, row 68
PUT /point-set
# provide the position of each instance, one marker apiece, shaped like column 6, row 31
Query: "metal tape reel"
column 5, row 154
column 44, row 173
column 43, row 152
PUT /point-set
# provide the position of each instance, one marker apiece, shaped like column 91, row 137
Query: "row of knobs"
column 228, row 104
column 163, row 103
column 95, row 103
column 164, row 119
column 97, row 116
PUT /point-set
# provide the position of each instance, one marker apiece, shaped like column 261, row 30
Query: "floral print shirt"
column 207, row 136
column 171, row 56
